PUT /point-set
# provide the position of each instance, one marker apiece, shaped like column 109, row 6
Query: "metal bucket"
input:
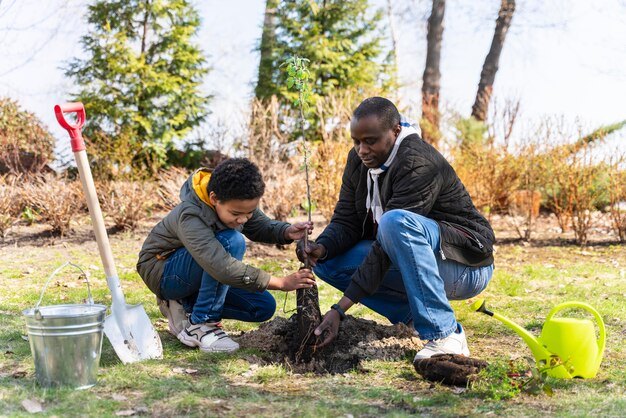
column 66, row 340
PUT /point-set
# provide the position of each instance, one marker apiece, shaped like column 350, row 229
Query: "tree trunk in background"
column 490, row 67
column 264, row 83
column 432, row 75
column 394, row 38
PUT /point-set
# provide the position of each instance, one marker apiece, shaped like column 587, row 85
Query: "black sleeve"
column 344, row 229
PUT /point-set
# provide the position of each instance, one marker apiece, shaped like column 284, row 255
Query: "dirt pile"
column 358, row 339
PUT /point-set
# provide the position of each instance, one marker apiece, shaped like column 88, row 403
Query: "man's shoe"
column 177, row 318
column 209, row 337
column 455, row 343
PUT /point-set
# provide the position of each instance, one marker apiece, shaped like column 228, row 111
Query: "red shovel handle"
column 78, row 144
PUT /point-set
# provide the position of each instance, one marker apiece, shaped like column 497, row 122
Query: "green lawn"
column 528, row 282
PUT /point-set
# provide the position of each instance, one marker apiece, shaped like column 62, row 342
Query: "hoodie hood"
column 196, row 187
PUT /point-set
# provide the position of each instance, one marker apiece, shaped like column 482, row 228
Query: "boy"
column 191, row 259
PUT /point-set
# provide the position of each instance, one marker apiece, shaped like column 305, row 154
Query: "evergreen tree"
column 340, row 38
column 141, row 77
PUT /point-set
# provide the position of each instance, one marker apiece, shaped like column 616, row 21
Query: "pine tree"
column 340, row 37
column 140, row 80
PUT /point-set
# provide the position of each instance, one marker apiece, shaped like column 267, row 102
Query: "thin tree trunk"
column 432, row 75
column 144, row 35
column 394, row 38
column 266, row 64
column 490, row 67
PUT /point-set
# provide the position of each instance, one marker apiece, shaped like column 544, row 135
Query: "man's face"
column 372, row 142
column 236, row 212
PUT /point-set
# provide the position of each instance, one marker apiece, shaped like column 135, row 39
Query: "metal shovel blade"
column 135, row 339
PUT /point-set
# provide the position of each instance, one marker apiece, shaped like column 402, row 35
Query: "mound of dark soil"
column 358, row 339
column 450, row 369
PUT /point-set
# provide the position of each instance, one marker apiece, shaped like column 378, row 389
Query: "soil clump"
column 358, row 339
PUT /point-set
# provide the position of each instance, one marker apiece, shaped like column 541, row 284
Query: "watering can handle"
column 54, row 273
column 590, row 309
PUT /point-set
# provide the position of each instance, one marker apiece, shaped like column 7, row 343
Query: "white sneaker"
column 208, row 337
column 177, row 318
column 455, row 343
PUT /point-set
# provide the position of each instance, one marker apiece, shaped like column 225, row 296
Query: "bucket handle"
column 54, row 273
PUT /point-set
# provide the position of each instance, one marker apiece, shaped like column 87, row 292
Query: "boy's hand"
column 313, row 251
column 301, row 279
column 297, row 230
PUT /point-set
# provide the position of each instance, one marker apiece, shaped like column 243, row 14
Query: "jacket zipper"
column 467, row 232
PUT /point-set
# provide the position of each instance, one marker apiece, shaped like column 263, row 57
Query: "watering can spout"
column 538, row 350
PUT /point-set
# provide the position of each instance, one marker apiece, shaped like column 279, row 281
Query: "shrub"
column 489, row 171
column 330, row 155
column 571, row 187
column 57, row 200
column 267, row 147
column 26, row 146
column 169, row 182
column 617, row 196
column 10, row 203
column 127, row 202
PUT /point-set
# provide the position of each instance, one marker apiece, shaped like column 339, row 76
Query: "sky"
column 560, row 58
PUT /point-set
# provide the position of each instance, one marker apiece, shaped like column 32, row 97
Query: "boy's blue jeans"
column 207, row 299
column 419, row 284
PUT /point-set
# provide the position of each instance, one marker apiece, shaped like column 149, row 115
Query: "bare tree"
column 432, row 75
column 490, row 67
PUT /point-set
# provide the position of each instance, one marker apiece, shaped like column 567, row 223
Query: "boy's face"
column 235, row 212
column 372, row 141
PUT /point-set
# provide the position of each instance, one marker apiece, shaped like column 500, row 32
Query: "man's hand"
column 313, row 251
column 329, row 328
column 297, row 230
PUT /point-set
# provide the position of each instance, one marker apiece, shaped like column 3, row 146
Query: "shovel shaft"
column 97, row 220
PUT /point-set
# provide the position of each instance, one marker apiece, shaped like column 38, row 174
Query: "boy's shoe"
column 209, row 337
column 177, row 318
column 455, row 343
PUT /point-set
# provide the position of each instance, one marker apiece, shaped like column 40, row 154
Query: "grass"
column 528, row 282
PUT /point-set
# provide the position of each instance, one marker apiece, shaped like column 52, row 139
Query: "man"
column 405, row 237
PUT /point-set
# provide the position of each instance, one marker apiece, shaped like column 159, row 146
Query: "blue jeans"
column 419, row 284
column 206, row 298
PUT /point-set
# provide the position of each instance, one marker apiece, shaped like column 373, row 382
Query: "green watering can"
column 571, row 340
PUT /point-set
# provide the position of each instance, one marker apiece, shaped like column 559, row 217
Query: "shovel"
column 128, row 328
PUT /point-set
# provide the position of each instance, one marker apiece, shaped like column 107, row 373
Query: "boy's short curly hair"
column 236, row 178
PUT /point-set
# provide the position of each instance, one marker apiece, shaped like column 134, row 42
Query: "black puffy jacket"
column 419, row 180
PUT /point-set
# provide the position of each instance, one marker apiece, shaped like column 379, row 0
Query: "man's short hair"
column 383, row 108
column 236, row 179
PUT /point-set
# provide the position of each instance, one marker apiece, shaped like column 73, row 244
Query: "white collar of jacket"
column 373, row 201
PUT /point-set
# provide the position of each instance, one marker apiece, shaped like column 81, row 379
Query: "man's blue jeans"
column 419, row 284
column 207, row 299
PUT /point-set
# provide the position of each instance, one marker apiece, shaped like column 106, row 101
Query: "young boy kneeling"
column 191, row 259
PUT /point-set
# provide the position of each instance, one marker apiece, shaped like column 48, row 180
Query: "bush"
column 570, row 183
column 26, row 146
column 268, row 148
column 56, row 200
column 11, row 203
column 127, row 202
column 489, row 171
column 617, row 196
column 169, row 183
